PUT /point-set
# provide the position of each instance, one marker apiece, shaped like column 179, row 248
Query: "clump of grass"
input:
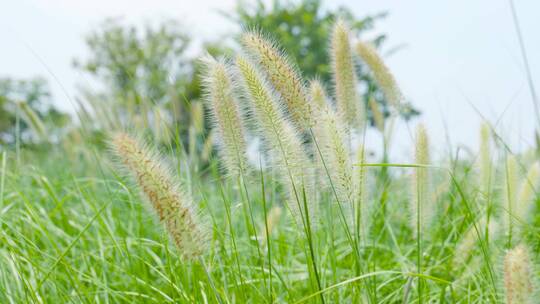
column 226, row 115
column 173, row 206
column 518, row 274
column 259, row 257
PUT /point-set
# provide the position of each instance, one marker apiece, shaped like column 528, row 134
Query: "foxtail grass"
column 318, row 96
column 348, row 102
column 382, row 75
column 378, row 116
column 225, row 115
column 282, row 74
column 173, row 206
column 518, row 276
column 282, row 139
column 362, row 203
column 331, row 137
column 420, row 205
column 484, row 161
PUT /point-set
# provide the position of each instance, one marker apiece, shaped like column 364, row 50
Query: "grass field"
column 325, row 226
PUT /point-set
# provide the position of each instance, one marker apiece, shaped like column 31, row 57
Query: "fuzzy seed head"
column 226, row 115
column 334, row 151
column 518, row 276
column 173, row 206
column 362, row 204
column 382, row 75
column 318, row 96
column 347, row 100
column 283, row 75
column 421, row 209
column 378, row 116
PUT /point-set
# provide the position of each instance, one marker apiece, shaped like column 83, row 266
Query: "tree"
column 137, row 66
column 149, row 82
column 144, row 72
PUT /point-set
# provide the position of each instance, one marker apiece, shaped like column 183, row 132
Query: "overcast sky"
column 461, row 58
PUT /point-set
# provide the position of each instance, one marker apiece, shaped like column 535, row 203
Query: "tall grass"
column 310, row 218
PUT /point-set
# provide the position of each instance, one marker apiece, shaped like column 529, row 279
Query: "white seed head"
column 226, row 115
column 420, row 205
column 362, row 203
column 382, row 75
column 484, row 160
column 331, row 140
column 348, row 102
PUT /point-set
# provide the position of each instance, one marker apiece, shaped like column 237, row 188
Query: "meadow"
column 312, row 217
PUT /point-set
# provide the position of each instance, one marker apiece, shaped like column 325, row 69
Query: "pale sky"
column 461, row 55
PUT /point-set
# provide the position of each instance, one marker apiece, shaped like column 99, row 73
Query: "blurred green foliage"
column 23, row 96
column 149, row 82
